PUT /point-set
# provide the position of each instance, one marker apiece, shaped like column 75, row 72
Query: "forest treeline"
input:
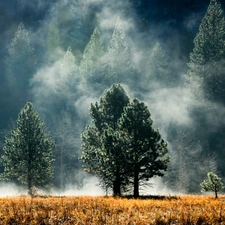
column 70, row 54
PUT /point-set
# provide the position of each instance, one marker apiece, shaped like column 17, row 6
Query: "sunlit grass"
column 108, row 210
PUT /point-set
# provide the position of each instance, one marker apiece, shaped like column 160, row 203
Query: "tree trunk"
column 216, row 193
column 136, row 182
column 29, row 175
column 61, row 168
column 29, row 184
column 117, row 186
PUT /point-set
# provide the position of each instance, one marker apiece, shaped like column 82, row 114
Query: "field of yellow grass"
column 111, row 211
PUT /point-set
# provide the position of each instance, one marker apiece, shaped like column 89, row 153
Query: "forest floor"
column 112, row 211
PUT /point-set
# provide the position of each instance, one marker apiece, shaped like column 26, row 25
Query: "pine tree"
column 21, row 57
column 98, row 158
column 183, row 176
column 68, row 75
column 146, row 151
column 158, row 68
column 28, row 156
column 93, row 52
column 20, row 67
column 66, row 158
column 91, row 61
column 72, row 19
column 206, row 66
column 116, row 65
column 213, row 183
column 68, row 64
column 53, row 40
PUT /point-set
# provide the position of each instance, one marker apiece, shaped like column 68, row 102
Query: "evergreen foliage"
column 122, row 148
column 146, row 152
column 20, row 53
column 206, row 66
column 28, row 157
column 158, row 68
column 20, row 45
column 20, row 66
column 117, row 66
column 68, row 75
column 73, row 23
column 66, row 158
column 213, row 183
column 206, row 80
column 91, row 61
column 53, row 39
column 59, row 86
column 184, row 148
column 98, row 158
column 93, row 52
column 68, row 64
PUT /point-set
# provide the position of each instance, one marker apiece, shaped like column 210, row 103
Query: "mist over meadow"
column 47, row 57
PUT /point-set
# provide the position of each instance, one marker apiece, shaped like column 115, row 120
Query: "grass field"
column 111, row 211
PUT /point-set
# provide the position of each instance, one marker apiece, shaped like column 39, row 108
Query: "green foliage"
column 102, row 68
column 74, row 22
column 68, row 75
column 110, row 107
column 93, row 52
column 98, row 158
column 184, row 148
column 68, row 64
column 28, row 151
column 20, row 53
column 206, row 66
column 122, row 148
column 146, row 152
column 213, row 183
column 91, row 61
column 66, row 158
column 117, row 64
column 158, row 68
column 20, row 45
column 53, row 39
column 20, row 67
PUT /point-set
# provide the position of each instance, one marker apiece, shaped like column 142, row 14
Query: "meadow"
column 111, row 211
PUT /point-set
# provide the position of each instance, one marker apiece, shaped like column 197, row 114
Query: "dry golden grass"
column 111, row 211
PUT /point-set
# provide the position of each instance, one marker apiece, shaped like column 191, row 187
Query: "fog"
column 57, row 86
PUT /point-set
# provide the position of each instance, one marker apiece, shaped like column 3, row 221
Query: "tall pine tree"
column 146, row 151
column 53, row 40
column 117, row 66
column 68, row 76
column 20, row 68
column 96, row 155
column 93, row 52
column 21, row 59
column 158, row 68
column 28, row 157
column 206, row 66
column 66, row 156
column 91, row 61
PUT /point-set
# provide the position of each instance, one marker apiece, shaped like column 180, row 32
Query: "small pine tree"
column 213, row 183
column 28, row 156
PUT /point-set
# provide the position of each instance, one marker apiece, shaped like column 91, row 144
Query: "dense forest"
column 62, row 55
